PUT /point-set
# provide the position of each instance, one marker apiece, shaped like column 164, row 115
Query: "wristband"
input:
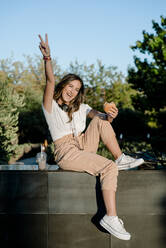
column 46, row 58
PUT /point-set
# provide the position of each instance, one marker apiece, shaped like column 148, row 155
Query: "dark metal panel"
column 27, row 230
column 71, row 192
column 4, row 243
column 23, row 192
column 141, row 192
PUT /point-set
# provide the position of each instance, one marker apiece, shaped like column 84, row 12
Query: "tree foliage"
column 149, row 79
column 10, row 101
column 149, row 76
column 27, row 74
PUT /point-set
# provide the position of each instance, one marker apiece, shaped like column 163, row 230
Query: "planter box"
column 59, row 209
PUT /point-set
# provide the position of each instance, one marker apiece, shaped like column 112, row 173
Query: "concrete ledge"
column 29, row 167
column 62, row 209
column 141, row 192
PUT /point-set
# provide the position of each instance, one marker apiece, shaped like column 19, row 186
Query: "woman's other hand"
column 44, row 47
column 112, row 113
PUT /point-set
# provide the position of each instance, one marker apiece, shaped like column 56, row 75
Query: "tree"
column 149, row 76
column 29, row 73
column 10, row 101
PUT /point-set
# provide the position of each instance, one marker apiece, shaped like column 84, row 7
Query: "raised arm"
column 50, row 81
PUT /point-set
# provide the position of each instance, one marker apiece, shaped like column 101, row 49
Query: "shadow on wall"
column 22, row 194
column 101, row 211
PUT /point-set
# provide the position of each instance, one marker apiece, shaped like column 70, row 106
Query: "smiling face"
column 70, row 91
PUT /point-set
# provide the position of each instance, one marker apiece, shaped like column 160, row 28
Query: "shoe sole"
column 139, row 162
column 113, row 232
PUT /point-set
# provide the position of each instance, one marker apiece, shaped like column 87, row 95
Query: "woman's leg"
column 107, row 169
column 72, row 158
column 77, row 160
column 107, row 178
column 109, row 198
column 101, row 129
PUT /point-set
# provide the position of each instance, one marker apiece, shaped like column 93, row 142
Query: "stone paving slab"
column 27, row 164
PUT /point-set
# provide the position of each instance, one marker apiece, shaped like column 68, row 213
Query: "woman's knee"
column 112, row 170
column 96, row 118
column 99, row 121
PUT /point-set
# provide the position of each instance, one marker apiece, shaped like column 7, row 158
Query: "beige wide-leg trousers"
column 79, row 153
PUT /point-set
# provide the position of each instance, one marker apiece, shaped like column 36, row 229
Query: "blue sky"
column 85, row 30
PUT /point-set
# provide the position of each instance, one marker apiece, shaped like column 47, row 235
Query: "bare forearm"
column 50, row 85
column 103, row 116
column 95, row 112
column 49, row 72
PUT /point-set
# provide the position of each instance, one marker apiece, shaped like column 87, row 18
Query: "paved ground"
column 27, row 164
column 32, row 161
column 29, row 161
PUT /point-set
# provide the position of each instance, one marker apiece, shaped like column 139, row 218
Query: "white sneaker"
column 125, row 162
column 114, row 225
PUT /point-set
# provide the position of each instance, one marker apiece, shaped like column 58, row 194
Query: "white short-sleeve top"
column 58, row 120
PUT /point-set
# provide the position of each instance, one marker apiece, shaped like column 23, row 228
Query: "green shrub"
column 10, row 101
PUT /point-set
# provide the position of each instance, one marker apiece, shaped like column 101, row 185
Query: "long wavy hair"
column 75, row 103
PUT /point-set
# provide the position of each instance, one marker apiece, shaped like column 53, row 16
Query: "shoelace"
column 128, row 158
column 120, row 224
column 121, row 221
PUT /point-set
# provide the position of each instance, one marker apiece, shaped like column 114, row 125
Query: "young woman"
column 66, row 115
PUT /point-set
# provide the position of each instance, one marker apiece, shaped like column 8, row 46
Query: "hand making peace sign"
column 44, row 47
